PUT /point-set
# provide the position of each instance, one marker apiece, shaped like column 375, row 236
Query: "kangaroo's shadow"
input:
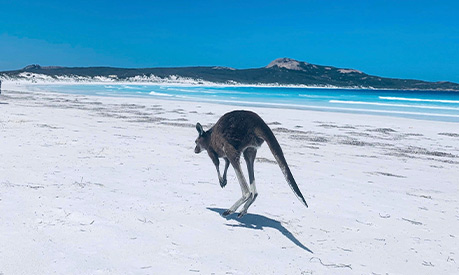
column 255, row 221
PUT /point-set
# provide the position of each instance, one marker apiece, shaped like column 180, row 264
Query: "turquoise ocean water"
column 427, row 105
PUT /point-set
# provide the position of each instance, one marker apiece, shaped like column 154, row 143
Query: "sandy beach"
column 104, row 185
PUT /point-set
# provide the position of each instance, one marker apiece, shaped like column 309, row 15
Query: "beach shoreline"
column 187, row 82
column 421, row 105
column 165, row 82
column 110, row 184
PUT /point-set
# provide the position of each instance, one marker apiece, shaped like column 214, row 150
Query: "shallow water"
column 428, row 105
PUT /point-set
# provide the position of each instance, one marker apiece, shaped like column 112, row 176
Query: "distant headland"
column 280, row 72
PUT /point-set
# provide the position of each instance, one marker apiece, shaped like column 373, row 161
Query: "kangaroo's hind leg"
column 249, row 156
column 234, row 160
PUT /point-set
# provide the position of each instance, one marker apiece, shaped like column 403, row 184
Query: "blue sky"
column 405, row 39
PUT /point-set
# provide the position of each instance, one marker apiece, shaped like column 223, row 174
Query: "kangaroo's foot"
column 242, row 213
column 227, row 212
column 222, row 182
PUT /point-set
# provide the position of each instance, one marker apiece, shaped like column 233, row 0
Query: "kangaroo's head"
column 202, row 142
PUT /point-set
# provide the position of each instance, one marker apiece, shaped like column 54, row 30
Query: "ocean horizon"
column 416, row 104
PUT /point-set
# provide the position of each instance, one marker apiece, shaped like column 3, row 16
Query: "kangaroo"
column 236, row 133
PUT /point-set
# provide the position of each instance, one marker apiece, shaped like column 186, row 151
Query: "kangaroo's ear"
column 199, row 128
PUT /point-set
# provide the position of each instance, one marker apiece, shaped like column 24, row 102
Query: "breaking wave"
column 160, row 94
column 418, row 99
column 393, row 105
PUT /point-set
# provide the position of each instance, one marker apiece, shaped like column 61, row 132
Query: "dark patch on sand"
column 148, row 120
column 449, row 134
column 184, row 125
column 382, row 130
column 387, row 174
column 330, row 125
column 419, row 196
column 155, row 108
column 354, row 142
column 265, row 160
column 113, row 115
column 422, row 151
column 360, row 134
column 178, row 111
column 413, row 135
column 413, row 222
column 366, row 156
column 176, row 119
column 48, row 126
column 131, row 106
column 285, row 130
column 313, row 138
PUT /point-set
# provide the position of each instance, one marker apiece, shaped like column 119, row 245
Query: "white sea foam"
column 129, row 87
column 313, row 107
column 171, row 96
column 393, row 105
column 190, row 91
column 314, row 96
column 160, row 94
column 418, row 99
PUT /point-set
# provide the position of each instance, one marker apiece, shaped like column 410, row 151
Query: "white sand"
column 97, row 185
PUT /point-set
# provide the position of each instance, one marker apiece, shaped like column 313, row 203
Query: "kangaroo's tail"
column 266, row 134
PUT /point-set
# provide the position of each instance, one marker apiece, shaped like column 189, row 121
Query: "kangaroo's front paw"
column 222, row 182
column 226, row 213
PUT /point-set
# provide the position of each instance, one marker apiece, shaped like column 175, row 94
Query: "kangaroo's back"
column 238, row 128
